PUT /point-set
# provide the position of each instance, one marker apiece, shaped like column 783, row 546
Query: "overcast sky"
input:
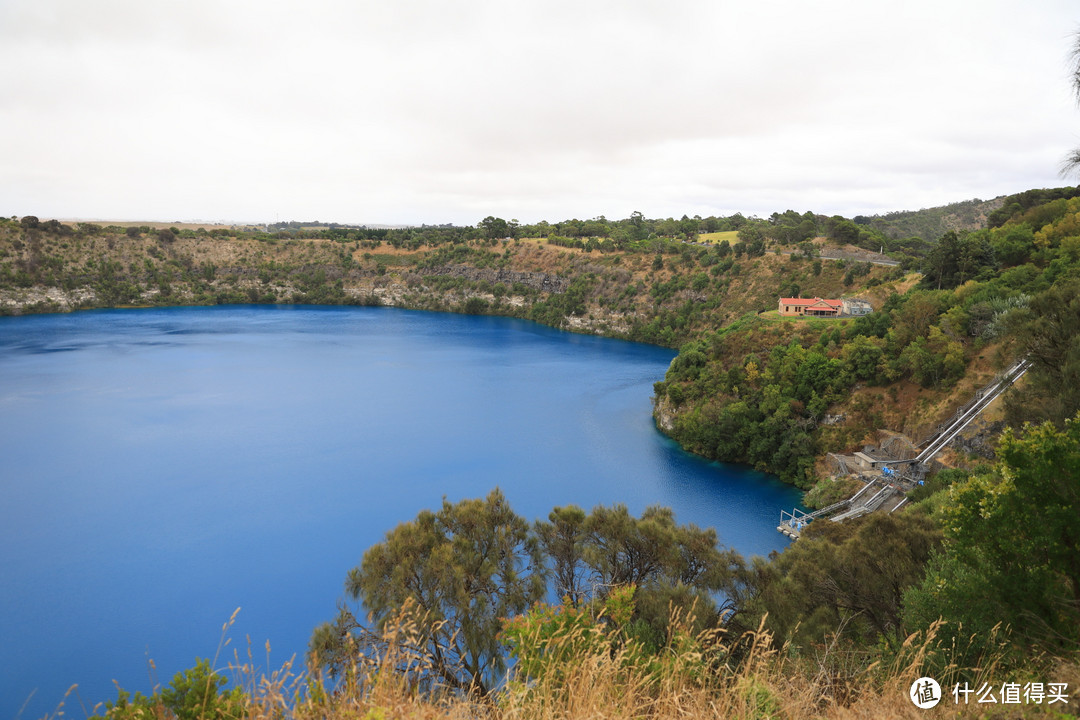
column 430, row 111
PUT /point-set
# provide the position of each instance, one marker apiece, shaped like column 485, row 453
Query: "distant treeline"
column 902, row 234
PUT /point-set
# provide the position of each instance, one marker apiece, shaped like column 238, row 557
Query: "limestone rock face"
column 664, row 414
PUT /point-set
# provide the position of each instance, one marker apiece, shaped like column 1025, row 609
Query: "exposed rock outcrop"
column 980, row 439
column 664, row 414
column 535, row 280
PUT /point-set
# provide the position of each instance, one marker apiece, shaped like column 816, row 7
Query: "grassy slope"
column 732, row 236
column 931, row 223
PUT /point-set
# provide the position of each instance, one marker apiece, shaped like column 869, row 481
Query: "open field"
column 732, row 236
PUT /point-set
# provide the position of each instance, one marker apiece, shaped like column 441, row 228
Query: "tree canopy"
column 461, row 569
column 1046, row 331
column 459, row 572
column 1012, row 546
column 845, row 578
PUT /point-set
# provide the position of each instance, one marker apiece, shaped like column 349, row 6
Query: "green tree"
column 1013, row 245
column 862, row 357
column 690, row 227
column 494, row 228
column 609, row 547
column 457, row 574
column 463, row 567
column 751, row 232
column 1046, row 332
column 956, row 259
column 1012, row 551
column 197, row 693
column 845, row 578
column 941, row 266
column 934, row 359
column 841, row 230
column 672, row 566
column 563, row 541
column 639, row 225
column 623, row 550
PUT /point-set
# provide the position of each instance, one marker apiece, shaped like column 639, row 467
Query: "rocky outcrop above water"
column 664, row 414
column 45, row 299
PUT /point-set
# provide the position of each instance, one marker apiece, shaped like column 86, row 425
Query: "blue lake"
column 161, row 468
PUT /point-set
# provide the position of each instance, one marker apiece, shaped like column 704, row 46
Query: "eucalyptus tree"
column 454, row 574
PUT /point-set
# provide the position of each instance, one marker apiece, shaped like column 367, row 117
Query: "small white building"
column 851, row 306
column 866, row 462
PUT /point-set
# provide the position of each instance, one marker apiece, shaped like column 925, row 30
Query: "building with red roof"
column 812, row 307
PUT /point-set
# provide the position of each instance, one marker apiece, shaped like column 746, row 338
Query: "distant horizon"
column 399, row 225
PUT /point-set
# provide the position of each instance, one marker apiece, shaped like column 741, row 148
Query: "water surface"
column 160, row 468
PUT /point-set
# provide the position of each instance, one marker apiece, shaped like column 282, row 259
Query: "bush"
column 197, row 693
column 476, row 306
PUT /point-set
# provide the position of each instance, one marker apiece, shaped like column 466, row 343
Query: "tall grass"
column 705, row 676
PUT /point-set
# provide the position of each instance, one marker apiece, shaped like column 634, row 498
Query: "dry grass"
column 765, row 682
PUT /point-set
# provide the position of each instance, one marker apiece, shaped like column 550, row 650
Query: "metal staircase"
column 792, row 523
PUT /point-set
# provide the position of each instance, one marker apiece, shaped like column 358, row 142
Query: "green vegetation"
column 635, row 278
column 929, row 224
column 757, row 391
column 1045, row 330
column 984, row 589
column 464, row 569
column 199, row 693
column 649, row 605
column 1012, row 550
column 977, row 580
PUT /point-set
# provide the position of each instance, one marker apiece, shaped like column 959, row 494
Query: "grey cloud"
column 417, row 110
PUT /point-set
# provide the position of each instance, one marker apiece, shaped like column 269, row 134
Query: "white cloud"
column 424, row 111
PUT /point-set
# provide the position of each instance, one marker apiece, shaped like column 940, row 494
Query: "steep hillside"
column 776, row 393
column 931, row 223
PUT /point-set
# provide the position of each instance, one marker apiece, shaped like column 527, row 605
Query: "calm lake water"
column 161, row 468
